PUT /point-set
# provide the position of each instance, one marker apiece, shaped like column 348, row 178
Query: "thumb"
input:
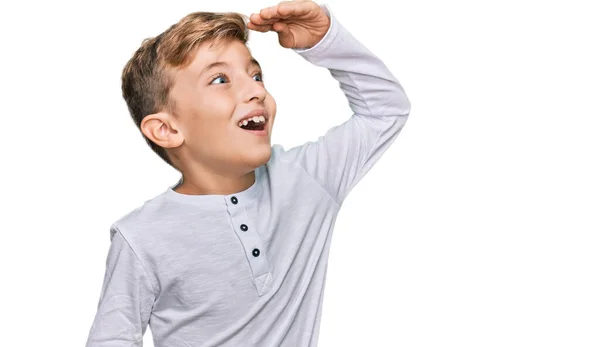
column 281, row 28
column 286, row 39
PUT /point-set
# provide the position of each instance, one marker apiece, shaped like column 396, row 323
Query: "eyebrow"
column 251, row 61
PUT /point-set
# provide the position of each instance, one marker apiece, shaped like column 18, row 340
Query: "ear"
column 161, row 129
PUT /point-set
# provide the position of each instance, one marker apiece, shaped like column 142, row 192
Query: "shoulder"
column 142, row 218
column 280, row 155
column 277, row 151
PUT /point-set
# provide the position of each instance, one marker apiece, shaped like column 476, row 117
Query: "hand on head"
column 299, row 23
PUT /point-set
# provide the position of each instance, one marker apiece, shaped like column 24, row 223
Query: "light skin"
column 203, row 139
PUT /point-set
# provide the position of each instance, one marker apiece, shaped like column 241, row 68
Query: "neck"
column 203, row 182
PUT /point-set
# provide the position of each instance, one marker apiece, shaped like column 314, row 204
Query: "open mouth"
column 256, row 123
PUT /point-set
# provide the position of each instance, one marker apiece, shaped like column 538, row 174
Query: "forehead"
column 232, row 52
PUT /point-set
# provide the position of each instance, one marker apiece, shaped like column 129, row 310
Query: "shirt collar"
column 217, row 201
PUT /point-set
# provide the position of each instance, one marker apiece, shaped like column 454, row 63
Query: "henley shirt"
column 248, row 269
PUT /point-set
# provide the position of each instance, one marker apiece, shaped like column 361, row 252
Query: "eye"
column 219, row 77
column 260, row 76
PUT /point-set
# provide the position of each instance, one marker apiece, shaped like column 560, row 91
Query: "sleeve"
column 126, row 299
column 380, row 108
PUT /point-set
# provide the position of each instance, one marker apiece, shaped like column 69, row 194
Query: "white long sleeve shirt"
column 248, row 269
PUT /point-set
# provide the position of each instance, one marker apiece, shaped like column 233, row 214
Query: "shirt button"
column 234, row 200
column 255, row 252
column 244, row 227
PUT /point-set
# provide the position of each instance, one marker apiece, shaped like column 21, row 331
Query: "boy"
column 235, row 254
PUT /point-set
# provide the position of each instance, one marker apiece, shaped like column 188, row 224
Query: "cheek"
column 208, row 121
column 271, row 106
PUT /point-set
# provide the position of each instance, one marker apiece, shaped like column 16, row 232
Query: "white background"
column 479, row 227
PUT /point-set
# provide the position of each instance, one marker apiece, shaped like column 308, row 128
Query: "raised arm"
column 125, row 301
column 340, row 158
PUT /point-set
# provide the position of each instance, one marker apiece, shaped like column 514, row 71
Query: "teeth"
column 255, row 119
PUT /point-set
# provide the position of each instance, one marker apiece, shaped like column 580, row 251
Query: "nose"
column 253, row 90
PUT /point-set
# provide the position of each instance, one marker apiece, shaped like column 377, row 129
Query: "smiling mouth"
column 255, row 123
column 253, row 126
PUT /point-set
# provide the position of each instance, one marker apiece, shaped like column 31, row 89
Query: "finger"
column 258, row 20
column 272, row 12
column 296, row 8
column 261, row 28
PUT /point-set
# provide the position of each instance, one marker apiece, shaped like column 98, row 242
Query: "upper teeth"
column 255, row 119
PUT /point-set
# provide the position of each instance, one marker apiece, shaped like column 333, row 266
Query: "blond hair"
column 146, row 81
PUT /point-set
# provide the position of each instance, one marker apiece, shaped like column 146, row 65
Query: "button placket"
column 252, row 244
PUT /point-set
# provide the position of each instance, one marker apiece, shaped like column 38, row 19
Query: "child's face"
column 211, row 103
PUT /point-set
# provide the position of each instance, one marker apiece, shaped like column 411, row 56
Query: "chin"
column 258, row 156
